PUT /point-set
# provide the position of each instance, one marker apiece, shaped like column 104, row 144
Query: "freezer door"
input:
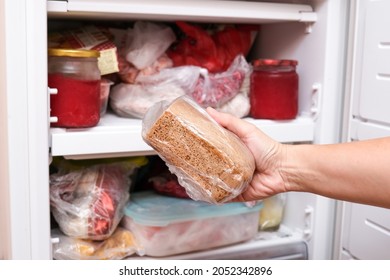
column 374, row 100
column 370, row 233
column 369, row 71
column 366, row 229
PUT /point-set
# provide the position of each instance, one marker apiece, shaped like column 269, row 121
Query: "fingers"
column 237, row 126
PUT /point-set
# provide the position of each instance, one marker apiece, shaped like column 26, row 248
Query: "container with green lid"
column 168, row 225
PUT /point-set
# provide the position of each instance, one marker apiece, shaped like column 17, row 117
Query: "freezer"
column 343, row 80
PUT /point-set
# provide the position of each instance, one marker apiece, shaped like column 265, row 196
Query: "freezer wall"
column 320, row 50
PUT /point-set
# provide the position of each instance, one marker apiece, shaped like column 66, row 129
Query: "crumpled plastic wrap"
column 119, row 245
column 88, row 203
column 146, row 42
column 167, row 184
column 133, row 100
column 216, row 89
column 239, row 105
column 211, row 163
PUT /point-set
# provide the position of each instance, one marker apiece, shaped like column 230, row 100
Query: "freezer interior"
column 311, row 32
column 308, row 43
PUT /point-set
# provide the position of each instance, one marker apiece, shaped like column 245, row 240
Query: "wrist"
column 292, row 167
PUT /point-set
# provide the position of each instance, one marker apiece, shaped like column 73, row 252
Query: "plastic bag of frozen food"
column 119, row 245
column 215, row 89
column 146, row 42
column 271, row 215
column 211, row 163
column 128, row 73
column 239, row 105
column 133, row 100
column 88, row 203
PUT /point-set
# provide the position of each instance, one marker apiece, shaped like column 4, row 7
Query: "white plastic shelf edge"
column 200, row 10
column 116, row 136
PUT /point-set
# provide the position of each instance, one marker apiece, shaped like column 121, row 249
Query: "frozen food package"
column 211, row 163
column 133, row 100
column 271, row 215
column 162, row 230
column 119, row 245
column 216, row 89
column 239, row 105
column 146, row 42
column 88, row 203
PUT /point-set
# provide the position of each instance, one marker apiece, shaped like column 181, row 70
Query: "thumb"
column 236, row 125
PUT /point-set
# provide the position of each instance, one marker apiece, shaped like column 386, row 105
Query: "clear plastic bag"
column 216, row 89
column 211, row 163
column 271, row 215
column 239, row 105
column 133, row 100
column 88, row 203
column 119, row 245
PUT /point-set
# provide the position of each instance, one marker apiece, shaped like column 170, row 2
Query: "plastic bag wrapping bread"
column 211, row 163
column 119, row 245
column 88, row 203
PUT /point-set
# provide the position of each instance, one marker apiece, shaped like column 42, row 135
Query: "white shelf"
column 190, row 10
column 116, row 136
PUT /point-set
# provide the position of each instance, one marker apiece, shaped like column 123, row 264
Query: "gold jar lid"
column 73, row 52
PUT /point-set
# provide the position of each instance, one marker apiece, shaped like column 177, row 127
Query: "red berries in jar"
column 274, row 89
column 76, row 76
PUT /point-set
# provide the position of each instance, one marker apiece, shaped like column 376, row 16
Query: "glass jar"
column 274, row 89
column 76, row 76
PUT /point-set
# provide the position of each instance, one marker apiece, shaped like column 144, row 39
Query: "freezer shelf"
column 189, row 10
column 116, row 136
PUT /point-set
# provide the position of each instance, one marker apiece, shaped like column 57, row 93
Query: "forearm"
column 357, row 171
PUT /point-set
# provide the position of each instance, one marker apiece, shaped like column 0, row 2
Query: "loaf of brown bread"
column 210, row 162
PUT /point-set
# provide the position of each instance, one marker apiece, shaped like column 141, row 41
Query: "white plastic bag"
column 133, row 100
column 146, row 42
column 239, row 105
column 216, row 89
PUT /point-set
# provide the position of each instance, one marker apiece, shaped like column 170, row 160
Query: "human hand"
column 268, row 154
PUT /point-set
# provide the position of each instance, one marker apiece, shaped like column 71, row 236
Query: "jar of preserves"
column 76, row 76
column 274, row 89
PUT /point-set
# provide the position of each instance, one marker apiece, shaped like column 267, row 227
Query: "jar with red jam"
column 274, row 89
column 76, row 76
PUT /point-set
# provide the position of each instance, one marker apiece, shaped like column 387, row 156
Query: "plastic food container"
column 274, row 89
column 76, row 76
column 167, row 225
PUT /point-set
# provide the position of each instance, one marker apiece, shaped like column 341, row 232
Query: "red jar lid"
column 274, row 62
